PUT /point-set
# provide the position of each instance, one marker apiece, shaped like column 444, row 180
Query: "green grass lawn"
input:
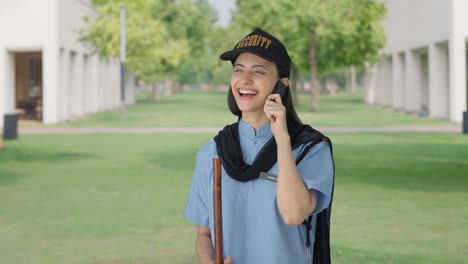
column 399, row 198
column 196, row 108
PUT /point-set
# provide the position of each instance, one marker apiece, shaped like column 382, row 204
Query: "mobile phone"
column 280, row 89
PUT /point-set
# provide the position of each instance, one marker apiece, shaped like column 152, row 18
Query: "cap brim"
column 232, row 55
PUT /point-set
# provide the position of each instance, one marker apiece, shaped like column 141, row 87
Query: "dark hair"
column 292, row 119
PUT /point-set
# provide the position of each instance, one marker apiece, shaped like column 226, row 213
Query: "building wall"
column 25, row 26
column 75, row 81
column 71, row 14
column 427, row 42
column 412, row 24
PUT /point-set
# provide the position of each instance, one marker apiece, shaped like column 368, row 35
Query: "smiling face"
column 252, row 80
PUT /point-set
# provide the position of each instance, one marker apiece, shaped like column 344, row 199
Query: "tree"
column 252, row 14
column 341, row 33
column 167, row 39
column 333, row 33
column 150, row 49
column 195, row 23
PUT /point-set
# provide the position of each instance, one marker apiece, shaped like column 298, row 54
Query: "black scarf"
column 229, row 150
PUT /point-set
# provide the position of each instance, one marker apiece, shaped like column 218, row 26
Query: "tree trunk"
column 353, row 80
column 348, row 81
column 322, row 84
column 168, row 87
column 178, row 87
column 331, row 85
column 315, row 89
column 156, row 92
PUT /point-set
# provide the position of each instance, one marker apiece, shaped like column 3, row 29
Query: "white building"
column 46, row 74
column 424, row 65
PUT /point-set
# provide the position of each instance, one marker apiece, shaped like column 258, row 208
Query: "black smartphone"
column 280, row 89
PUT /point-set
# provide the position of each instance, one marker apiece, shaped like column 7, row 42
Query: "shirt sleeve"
column 196, row 210
column 316, row 170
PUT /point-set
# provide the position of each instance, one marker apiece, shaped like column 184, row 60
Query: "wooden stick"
column 217, row 208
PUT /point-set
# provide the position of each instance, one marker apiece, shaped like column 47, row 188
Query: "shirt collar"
column 248, row 131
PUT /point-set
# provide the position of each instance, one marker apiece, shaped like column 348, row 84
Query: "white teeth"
column 247, row 91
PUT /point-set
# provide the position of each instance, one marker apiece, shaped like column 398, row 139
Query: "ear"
column 285, row 81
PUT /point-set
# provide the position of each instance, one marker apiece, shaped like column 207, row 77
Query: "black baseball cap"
column 264, row 45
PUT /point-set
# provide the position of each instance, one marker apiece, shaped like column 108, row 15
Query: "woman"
column 266, row 196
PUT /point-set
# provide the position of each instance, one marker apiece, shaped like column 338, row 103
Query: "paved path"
column 197, row 130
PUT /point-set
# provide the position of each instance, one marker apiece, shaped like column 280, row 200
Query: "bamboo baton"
column 218, row 211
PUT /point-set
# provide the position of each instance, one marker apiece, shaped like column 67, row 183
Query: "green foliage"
column 353, row 36
column 345, row 32
column 165, row 38
column 180, row 39
column 195, row 23
column 150, row 49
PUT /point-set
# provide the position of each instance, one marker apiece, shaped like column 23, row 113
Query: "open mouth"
column 246, row 92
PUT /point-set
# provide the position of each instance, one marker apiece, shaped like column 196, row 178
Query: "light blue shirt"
column 253, row 230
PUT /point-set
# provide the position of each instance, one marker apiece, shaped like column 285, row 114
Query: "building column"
column 424, row 81
column 78, row 84
column 7, row 83
column 457, row 61
column 116, row 83
column 370, row 83
column 94, row 82
column 380, row 82
column 86, row 105
column 72, row 87
column 387, row 88
column 3, row 82
column 457, row 75
column 107, row 83
column 106, row 87
column 398, row 80
column 64, row 71
column 51, row 84
column 438, row 82
column 50, row 72
column 102, row 85
column 412, row 93
column 113, row 84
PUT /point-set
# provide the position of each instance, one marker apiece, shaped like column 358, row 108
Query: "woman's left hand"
column 276, row 112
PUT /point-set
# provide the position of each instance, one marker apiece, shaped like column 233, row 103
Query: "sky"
column 224, row 8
